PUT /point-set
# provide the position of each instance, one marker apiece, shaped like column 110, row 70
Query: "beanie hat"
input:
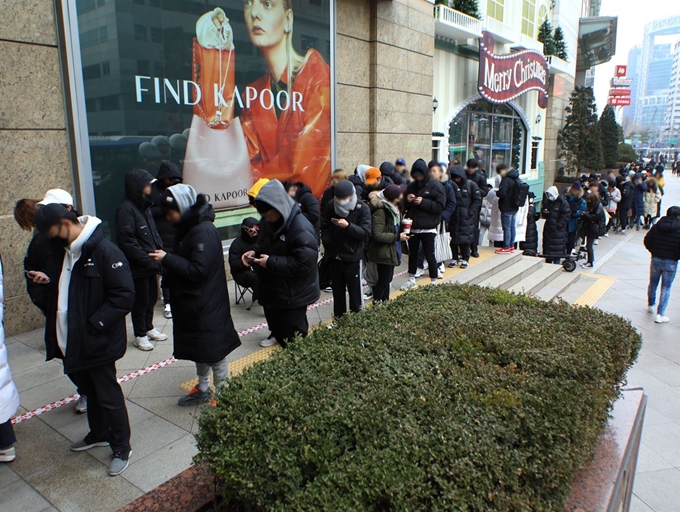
column 179, row 197
column 344, row 188
column 576, row 185
column 391, row 192
column 49, row 215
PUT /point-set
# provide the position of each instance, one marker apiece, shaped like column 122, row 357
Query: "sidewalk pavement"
column 47, row 476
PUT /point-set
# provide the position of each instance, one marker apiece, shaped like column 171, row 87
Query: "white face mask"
column 344, row 202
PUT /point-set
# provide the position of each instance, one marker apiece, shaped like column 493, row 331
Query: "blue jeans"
column 661, row 270
column 508, row 220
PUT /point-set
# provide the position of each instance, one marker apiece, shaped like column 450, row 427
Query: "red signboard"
column 622, row 82
column 619, row 92
column 619, row 101
column 502, row 78
column 621, row 71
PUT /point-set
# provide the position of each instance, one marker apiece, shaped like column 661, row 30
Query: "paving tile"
column 47, row 393
column 653, row 417
column 163, row 382
column 7, row 477
column 664, row 441
column 637, row 505
column 39, row 446
column 33, row 339
column 659, row 490
column 20, row 496
column 42, row 374
column 648, row 460
column 22, row 357
column 134, row 359
column 663, row 369
column 167, row 408
column 160, row 466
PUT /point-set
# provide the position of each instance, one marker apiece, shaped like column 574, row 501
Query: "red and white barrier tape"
column 138, row 373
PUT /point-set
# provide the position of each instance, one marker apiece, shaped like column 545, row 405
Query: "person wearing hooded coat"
column 530, row 245
column 309, row 204
column 203, row 331
column 9, row 396
column 137, row 237
column 627, row 188
column 639, row 200
column 244, row 275
column 463, row 224
column 577, row 205
column 345, row 230
column 285, row 261
column 168, row 175
column 425, row 202
column 358, row 179
column 388, row 171
column 556, row 212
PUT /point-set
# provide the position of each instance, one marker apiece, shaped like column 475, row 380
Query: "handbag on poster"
column 217, row 163
column 442, row 244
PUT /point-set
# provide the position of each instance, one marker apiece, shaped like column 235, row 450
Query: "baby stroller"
column 570, row 260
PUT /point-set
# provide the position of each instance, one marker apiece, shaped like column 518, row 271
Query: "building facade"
column 673, row 115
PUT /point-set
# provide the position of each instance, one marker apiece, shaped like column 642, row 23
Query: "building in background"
column 634, row 63
column 673, row 114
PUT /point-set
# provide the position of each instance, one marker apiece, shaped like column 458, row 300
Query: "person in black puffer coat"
column 463, row 223
column 639, row 200
column 425, row 202
column 663, row 242
column 556, row 212
column 345, row 230
column 592, row 220
column 244, row 276
column 138, row 237
column 168, row 175
column 285, row 261
column 388, row 171
column 478, row 175
column 309, row 204
column 203, row 331
column 530, row 245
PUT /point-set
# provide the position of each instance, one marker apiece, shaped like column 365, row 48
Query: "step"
column 538, row 280
column 484, row 269
column 558, row 285
column 513, row 274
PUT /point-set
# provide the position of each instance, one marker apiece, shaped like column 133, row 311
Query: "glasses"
column 251, row 231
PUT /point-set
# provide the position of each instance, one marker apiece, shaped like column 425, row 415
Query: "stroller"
column 570, row 260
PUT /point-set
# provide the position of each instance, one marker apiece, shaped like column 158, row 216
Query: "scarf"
column 343, row 211
column 392, row 208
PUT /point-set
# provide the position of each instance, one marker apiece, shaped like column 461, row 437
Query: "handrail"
column 457, row 18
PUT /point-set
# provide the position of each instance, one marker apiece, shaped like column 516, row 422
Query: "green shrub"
column 448, row 398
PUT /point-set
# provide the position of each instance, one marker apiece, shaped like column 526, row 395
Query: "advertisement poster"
column 229, row 90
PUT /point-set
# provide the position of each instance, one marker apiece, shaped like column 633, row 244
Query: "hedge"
column 448, row 398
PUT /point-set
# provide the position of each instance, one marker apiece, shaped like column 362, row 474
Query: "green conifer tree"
column 560, row 44
column 469, row 7
column 610, row 131
column 579, row 141
column 545, row 36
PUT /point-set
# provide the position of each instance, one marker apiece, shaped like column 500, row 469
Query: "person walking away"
column 663, row 242
column 137, row 237
column 425, row 202
column 627, row 189
column 577, row 205
column 168, row 175
column 85, row 324
column 309, row 204
column 202, row 330
column 639, row 200
column 9, row 396
column 384, row 249
column 612, row 205
column 507, row 204
column 592, row 219
column 345, row 229
column 462, row 226
column 285, row 261
column 530, row 245
column 477, row 175
column 40, row 265
column 557, row 214
column 652, row 199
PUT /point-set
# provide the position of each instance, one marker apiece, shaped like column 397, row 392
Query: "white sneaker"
column 440, row 274
column 156, row 335
column 268, row 341
column 426, row 265
column 8, row 454
column 651, row 309
column 143, row 343
column 596, row 242
column 167, row 312
column 420, row 272
column 407, row 285
column 81, row 405
column 662, row 319
column 464, row 264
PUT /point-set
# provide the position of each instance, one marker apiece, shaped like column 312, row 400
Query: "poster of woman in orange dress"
column 284, row 125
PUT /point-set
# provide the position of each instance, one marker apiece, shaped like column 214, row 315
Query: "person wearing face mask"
column 168, row 175
column 345, row 230
column 285, row 261
column 137, row 236
column 557, row 213
column 85, row 323
column 425, row 202
column 203, row 331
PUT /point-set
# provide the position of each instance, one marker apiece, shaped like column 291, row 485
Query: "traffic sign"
column 621, row 71
column 619, row 92
column 619, row 101
column 622, row 82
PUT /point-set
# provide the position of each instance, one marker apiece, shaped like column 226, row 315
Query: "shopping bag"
column 442, row 244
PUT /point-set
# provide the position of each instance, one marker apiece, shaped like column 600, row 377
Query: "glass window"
column 140, row 32
column 494, row 9
column 143, row 67
column 109, row 103
column 92, row 72
column 542, row 14
column 528, row 17
column 156, row 35
column 106, row 69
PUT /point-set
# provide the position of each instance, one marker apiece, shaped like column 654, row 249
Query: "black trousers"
column 572, row 238
column 414, row 243
column 590, row 246
column 106, row 412
column 7, row 437
column 475, row 242
column 460, row 252
column 623, row 218
column 146, row 296
column 381, row 291
column 165, row 289
column 286, row 323
column 346, row 276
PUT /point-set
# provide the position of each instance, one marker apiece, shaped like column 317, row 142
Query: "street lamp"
column 435, row 104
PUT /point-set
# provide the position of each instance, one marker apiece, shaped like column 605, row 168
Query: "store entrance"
column 490, row 134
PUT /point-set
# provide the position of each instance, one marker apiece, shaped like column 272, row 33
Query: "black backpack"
column 522, row 193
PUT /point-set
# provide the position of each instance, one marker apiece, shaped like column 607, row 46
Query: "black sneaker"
column 195, row 396
column 475, row 254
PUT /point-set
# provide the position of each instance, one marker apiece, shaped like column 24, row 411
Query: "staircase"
column 520, row 274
